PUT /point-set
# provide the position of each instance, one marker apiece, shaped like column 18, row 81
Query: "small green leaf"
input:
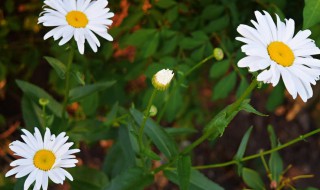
column 219, row 68
column 134, row 178
column 151, row 45
column 184, row 170
column 273, row 137
column 78, row 93
column 180, row 131
column 242, row 87
column 35, row 93
column 158, row 135
column 142, row 35
column 88, row 178
column 248, row 108
column 252, row 179
column 275, row 161
column 275, row 166
column 212, row 11
column 311, row 13
column 31, row 113
column 58, row 66
column 276, row 97
column 165, row 3
column 224, row 86
column 243, row 145
column 198, row 181
column 150, row 154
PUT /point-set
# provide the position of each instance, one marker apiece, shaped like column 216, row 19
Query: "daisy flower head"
column 42, row 158
column 81, row 19
column 275, row 50
column 161, row 80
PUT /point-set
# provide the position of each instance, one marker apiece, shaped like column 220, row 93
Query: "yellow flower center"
column 44, row 159
column 77, row 19
column 281, row 53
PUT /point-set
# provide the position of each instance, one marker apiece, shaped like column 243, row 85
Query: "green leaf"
column 275, row 166
column 276, row 97
column 78, row 93
column 180, row 131
column 31, row 113
column 150, row 154
column 224, row 86
column 218, row 24
column 219, row 68
column 184, row 170
column 151, row 45
column 165, row 3
column 197, row 180
column 311, row 13
column 273, row 137
column 88, row 178
column 58, row 66
column 252, row 179
column 212, row 11
column 248, row 108
column 134, row 178
column 35, row 93
column 139, row 36
column 242, row 87
column 243, row 145
column 157, row 134
column 20, row 183
column 275, row 161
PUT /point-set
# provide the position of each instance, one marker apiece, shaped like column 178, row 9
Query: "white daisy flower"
column 42, row 158
column 274, row 49
column 78, row 19
column 161, row 80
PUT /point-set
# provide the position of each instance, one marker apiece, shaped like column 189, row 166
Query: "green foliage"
column 311, row 13
column 87, row 178
column 197, row 180
column 252, row 179
column 184, row 170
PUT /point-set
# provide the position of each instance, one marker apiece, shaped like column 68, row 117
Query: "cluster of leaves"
column 115, row 83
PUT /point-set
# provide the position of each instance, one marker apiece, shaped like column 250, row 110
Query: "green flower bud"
column 218, row 54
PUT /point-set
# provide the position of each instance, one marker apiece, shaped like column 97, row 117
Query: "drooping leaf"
column 252, row 179
column 31, row 113
column 158, row 135
column 165, row 3
column 78, row 93
column 184, row 170
column 58, row 66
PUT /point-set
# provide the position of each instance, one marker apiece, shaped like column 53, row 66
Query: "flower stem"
column 198, row 65
column 146, row 115
column 67, row 86
column 232, row 162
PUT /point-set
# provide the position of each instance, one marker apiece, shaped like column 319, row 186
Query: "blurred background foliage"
column 150, row 35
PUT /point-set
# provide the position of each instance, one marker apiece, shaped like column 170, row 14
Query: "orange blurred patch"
column 106, row 144
column 127, row 53
column 146, row 6
column 73, row 108
column 118, row 17
column 137, row 85
column 159, row 177
column 12, row 129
